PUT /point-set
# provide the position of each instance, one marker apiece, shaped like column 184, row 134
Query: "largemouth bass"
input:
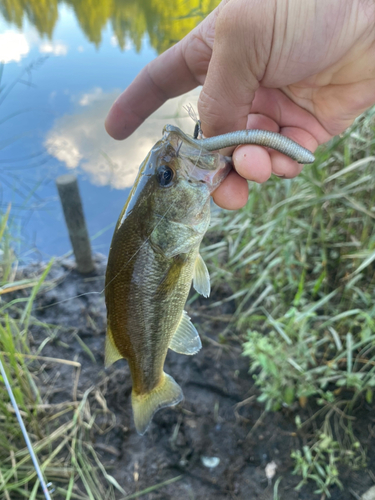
column 154, row 258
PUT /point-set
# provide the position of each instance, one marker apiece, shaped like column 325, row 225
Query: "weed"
column 318, row 463
column 300, row 258
column 60, row 433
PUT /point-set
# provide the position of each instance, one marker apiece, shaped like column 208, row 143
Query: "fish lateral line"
column 101, row 292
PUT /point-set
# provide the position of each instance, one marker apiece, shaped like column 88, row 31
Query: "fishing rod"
column 45, row 487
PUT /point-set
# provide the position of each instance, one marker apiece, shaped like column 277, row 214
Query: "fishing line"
column 69, row 299
column 193, row 165
column 25, row 434
column 134, row 255
column 153, row 229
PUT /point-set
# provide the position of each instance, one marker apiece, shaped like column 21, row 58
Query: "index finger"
column 178, row 70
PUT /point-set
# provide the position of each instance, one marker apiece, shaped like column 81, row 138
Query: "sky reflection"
column 79, row 140
column 56, row 88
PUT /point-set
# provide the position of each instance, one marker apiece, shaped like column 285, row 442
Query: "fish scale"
column 141, row 307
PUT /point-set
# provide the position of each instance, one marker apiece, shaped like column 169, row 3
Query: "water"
column 64, row 63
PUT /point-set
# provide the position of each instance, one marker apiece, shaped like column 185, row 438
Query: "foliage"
column 300, row 257
column 165, row 23
column 61, row 432
column 318, row 463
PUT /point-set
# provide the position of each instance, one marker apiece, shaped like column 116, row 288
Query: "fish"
column 154, row 258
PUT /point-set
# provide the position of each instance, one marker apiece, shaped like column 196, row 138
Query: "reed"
column 300, row 259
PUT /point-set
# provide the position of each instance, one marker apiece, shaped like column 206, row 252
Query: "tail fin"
column 167, row 393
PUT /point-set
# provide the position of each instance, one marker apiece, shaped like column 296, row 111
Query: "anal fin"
column 186, row 339
column 201, row 277
column 111, row 352
column 167, row 393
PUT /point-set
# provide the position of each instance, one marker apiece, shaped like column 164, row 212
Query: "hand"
column 303, row 69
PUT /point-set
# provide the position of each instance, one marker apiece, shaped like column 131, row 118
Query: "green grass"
column 61, row 434
column 300, row 259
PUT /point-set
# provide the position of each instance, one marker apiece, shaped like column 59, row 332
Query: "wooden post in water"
column 72, row 206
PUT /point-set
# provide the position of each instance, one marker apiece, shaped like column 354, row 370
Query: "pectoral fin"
column 167, row 393
column 201, row 277
column 111, row 352
column 186, row 339
column 173, row 238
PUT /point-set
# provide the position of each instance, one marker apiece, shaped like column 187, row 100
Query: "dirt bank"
column 220, row 416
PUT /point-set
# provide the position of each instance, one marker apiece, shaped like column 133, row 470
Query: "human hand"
column 303, row 69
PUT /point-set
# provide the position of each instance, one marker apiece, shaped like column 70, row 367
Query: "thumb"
column 242, row 45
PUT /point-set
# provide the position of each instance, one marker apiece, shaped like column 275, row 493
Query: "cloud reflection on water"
column 80, row 141
column 55, row 48
column 15, row 45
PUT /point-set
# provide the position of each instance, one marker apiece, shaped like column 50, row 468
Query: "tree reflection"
column 165, row 23
column 43, row 14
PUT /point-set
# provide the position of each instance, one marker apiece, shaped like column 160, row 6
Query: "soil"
column 219, row 417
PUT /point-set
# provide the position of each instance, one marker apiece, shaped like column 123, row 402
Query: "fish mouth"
column 212, row 178
column 197, row 164
column 221, row 174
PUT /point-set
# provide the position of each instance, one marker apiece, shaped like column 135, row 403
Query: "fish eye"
column 165, row 175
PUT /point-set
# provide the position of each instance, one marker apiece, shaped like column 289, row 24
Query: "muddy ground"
column 219, row 417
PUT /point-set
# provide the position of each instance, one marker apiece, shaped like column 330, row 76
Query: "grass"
column 300, row 259
column 60, row 433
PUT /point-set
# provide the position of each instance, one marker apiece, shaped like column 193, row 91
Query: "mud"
column 219, row 417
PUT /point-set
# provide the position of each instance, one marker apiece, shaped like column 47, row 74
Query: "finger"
column 163, row 78
column 253, row 163
column 232, row 194
column 243, row 39
column 178, row 70
column 262, row 122
column 282, row 166
column 257, row 164
column 277, row 106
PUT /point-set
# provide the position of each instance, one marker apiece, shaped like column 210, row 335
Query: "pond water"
column 63, row 64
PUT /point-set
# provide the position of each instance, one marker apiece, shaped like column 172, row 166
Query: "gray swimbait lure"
column 259, row 137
